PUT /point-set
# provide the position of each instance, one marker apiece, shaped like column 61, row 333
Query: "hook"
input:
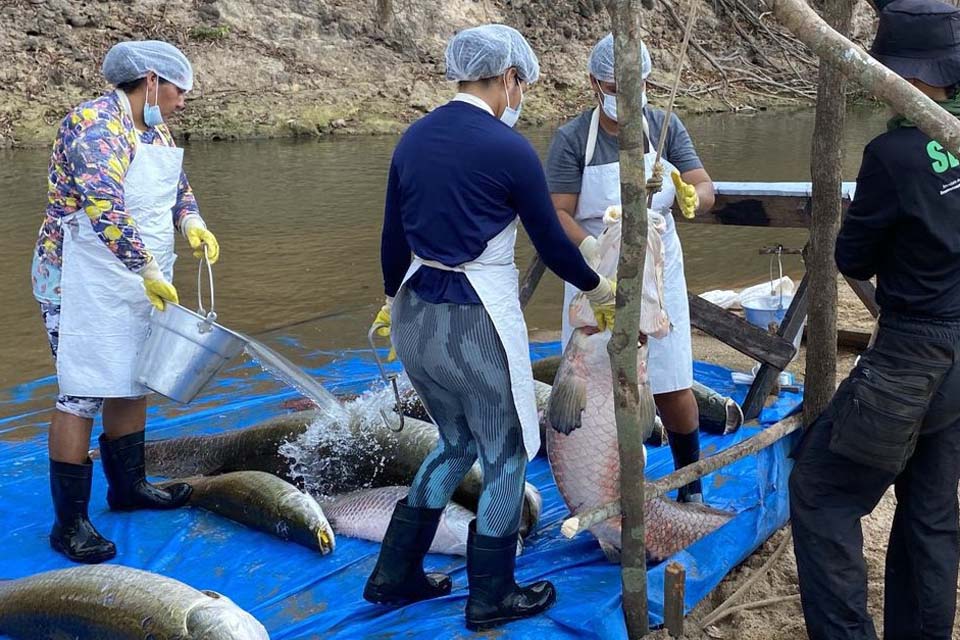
column 389, row 380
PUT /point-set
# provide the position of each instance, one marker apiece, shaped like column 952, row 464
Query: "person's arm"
column 531, row 198
column 97, row 157
column 186, row 206
column 565, row 204
column 564, row 175
column 682, row 154
column 864, row 233
column 701, row 181
column 395, row 252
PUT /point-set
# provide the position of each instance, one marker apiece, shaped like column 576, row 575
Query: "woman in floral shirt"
column 116, row 193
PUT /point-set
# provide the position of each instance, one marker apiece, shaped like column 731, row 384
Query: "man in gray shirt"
column 584, row 178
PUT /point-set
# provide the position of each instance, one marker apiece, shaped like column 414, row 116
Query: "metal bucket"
column 184, row 350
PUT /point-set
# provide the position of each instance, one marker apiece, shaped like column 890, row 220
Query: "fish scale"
column 586, row 462
column 121, row 603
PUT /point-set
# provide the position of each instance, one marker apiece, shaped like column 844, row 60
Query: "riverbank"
column 282, row 68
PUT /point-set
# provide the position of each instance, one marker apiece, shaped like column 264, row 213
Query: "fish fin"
column 568, row 398
column 611, row 551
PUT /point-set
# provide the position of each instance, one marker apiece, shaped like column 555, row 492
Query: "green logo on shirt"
column 942, row 160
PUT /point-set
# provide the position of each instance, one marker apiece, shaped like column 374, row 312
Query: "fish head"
column 532, row 507
column 297, row 502
column 217, row 617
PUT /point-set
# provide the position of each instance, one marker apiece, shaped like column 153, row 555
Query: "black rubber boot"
column 123, row 464
column 398, row 578
column 73, row 534
column 495, row 598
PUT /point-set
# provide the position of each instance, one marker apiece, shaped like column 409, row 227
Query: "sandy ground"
column 784, row 621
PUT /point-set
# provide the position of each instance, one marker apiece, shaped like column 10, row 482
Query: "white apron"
column 670, row 359
column 495, row 278
column 104, row 311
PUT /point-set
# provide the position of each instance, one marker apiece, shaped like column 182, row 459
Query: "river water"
column 299, row 223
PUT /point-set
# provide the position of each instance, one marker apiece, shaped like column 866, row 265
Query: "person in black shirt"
column 896, row 419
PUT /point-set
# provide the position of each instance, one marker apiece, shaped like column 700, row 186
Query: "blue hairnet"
column 128, row 61
column 488, row 51
column 601, row 60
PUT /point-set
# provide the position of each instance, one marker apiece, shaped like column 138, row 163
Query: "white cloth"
column 469, row 98
column 670, row 363
column 495, row 278
column 104, row 310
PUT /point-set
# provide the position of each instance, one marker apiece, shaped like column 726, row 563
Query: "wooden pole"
column 826, row 166
column 634, row 406
column 859, row 66
column 674, row 592
column 586, row 519
column 531, row 278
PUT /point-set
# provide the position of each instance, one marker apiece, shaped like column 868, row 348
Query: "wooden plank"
column 768, row 374
column 531, row 278
column 867, row 294
column 674, row 591
column 740, row 334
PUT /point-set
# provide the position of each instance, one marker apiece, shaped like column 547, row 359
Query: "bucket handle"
column 209, row 316
column 390, row 380
column 773, row 289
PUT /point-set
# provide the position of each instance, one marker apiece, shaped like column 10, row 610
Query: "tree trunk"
column 633, row 410
column 826, row 166
column 858, row 66
column 384, row 13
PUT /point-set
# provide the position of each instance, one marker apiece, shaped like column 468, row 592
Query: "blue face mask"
column 510, row 115
column 151, row 113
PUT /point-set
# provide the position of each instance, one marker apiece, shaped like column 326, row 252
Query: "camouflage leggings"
column 457, row 364
column 74, row 405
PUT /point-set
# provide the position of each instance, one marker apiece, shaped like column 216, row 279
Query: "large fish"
column 585, row 460
column 120, row 603
column 582, row 444
column 719, row 414
column 267, row 503
column 366, row 513
column 323, row 457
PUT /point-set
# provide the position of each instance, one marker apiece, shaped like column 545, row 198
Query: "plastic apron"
column 670, row 359
column 495, row 278
column 104, row 311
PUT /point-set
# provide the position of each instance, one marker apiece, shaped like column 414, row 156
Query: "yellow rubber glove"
column 158, row 290
column 603, row 302
column 197, row 234
column 687, row 198
column 382, row 322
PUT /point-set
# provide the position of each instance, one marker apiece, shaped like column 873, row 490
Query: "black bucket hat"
column 920, row 39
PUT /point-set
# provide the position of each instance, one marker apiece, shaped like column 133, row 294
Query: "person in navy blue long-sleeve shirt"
column 459, row 180
column 458, row 177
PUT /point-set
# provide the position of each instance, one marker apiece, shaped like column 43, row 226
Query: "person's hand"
column 603, row 300
column 590, row 251
column 158, row 290
column 687, row 198
column 382, row 323
column 199, row 236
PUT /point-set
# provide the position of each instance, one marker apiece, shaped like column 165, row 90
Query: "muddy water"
column 299, row 226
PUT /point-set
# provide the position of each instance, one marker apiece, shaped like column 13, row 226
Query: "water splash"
column 333, row 456
column 283, row 369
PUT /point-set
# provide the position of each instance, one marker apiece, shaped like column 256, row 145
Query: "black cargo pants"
column 895, row 420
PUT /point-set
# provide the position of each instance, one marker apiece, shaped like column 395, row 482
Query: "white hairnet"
column 488, row 51
column 601, row 60
column 128, row 61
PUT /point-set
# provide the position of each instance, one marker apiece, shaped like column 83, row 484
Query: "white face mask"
column 610, row 103
column 510, row 115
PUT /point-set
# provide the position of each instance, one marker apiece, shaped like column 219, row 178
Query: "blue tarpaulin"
column 297, row 593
